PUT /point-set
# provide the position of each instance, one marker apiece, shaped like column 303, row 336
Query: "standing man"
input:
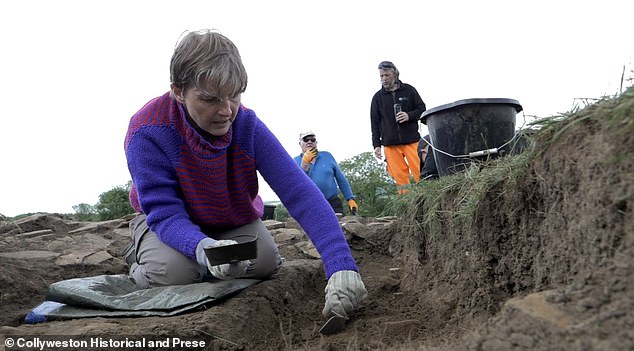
column 394, row 115
column 323, row 169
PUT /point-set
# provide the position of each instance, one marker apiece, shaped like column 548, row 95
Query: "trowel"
column 334, row 324
column 232, row 253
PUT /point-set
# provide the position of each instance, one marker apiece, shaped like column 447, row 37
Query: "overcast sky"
column 74, row 72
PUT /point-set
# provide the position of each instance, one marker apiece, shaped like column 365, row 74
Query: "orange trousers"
column 401, row 160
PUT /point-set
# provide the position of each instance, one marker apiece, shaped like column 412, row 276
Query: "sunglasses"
column 307, row 139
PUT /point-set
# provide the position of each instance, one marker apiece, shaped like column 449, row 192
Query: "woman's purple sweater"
column 185, row 184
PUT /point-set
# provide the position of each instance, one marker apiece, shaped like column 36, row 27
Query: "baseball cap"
column 305, row 134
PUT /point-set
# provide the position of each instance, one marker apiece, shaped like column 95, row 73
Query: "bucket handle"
column 473, row 154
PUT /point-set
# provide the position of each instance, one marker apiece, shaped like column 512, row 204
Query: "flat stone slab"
column 34, row 233
column 97, row 258
column 537, row 306
column 75, row 257
column 32, row 254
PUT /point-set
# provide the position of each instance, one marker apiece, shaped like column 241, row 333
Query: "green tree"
column 114, row 203
column 85, row 212
column 370, row 182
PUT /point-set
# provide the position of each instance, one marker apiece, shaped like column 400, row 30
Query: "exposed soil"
column 548, row 264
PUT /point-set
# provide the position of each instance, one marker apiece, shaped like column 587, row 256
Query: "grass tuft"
column 455, row 198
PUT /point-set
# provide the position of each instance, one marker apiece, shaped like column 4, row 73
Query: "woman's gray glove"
column 225, row 271
column 344, row 291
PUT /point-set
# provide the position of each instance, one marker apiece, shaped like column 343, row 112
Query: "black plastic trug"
column 467, row 126
column 518, row 107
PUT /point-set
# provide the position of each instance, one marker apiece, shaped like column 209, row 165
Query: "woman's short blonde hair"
column 209, row 61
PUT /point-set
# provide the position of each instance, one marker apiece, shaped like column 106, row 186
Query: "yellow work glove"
column 353, row 206
column 309, row 155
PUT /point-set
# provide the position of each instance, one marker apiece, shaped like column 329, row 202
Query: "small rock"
column 355, row 229
column 307, row 248
column 273, row 224
column 284, row 235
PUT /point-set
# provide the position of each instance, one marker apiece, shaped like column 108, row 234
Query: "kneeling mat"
column 118, row 296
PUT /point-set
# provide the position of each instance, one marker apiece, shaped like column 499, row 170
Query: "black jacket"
column 385, row 130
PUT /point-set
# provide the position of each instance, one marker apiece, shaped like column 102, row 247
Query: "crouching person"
column 193, row 154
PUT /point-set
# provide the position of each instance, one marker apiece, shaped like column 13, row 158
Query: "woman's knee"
column 268, row 261
column 169, row 269
column 264, row 268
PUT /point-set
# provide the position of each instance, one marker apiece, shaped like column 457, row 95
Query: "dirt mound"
column 546, row 263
